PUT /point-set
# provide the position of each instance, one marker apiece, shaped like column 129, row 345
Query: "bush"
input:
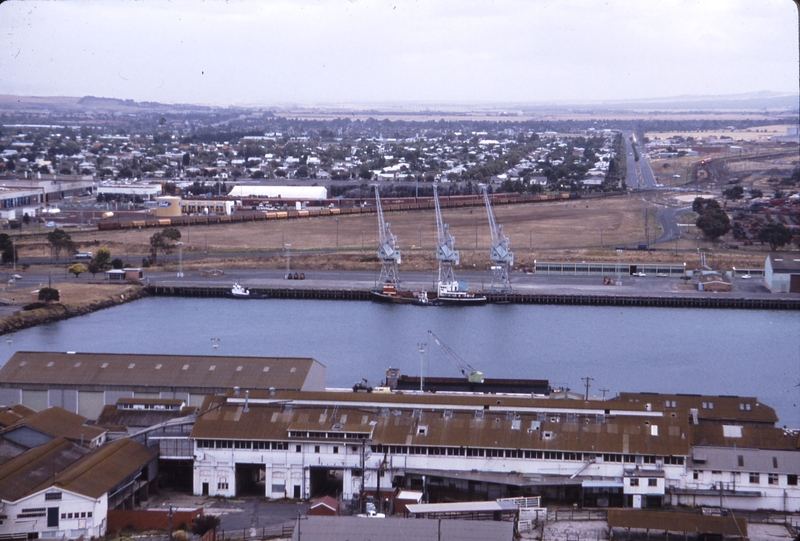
column 204, row 523
column 49, row 294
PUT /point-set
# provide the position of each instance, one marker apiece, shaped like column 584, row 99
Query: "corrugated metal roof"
column 13, row 414
column 676, row 522
column 460, row 507
column 104, row 468
column 102, row 371
column 398, row 529
column 414, row 424
column 111, row 416
column 721, row 407
column 36, row 469
column 58, row 422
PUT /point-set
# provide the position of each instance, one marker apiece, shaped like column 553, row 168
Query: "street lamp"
column 288, row 255
column 421, row 348
column 337, row 231
column 619, row 279
column 180, row 260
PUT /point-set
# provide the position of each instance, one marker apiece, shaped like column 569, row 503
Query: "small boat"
column 390, row 293
column 239, row 292
column 455, row 293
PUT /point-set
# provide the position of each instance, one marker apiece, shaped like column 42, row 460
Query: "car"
column 662, row 275
column 747, row 276
column 17, row 277
column 50, row 224
column 640, row 274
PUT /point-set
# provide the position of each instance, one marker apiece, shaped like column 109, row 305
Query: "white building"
column 782, row 273
column 639, row 450
column 282, row 192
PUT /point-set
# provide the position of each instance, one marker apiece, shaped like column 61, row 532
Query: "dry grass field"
column 761, row 133
column 569, row 231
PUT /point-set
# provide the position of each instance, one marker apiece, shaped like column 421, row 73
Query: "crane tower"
column 388, row 252
column 445, row 246
column 472, row 375
column 502, row 258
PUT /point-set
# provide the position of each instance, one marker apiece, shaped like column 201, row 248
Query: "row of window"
column 755, row 477
column 32, row 512
column 230, row 444
column 82, row 514
column 634, row 482
column 643, row 459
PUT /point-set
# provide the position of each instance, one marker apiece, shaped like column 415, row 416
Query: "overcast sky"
column 364, row 51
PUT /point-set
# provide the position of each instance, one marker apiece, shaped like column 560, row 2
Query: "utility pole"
column 587, row 380
column 421, row 348
column 604, row 391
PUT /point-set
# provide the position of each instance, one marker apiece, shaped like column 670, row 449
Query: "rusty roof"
column 101, row 470
column 197, row 373
column 57, row 421
column 113, row 418
column 13, row 414
column 676, row 522
column 745, row 409
column 35, row 469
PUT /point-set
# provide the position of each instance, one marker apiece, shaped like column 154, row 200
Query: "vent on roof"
column 515, row 424
column 266, row 369
column 131, row 365
column 185, row 367
column 77, row 364
column 293, row 370
column 51, row 363
column 479, row 414
column 238, row 368
column 422, row 430
column 448, row 414
column 212, row 367
column 104, row 365
column 158, row 367
column 23, row 363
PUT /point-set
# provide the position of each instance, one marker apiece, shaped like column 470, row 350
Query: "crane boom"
column 388, row 252
column 474, row 376
column 502, row 258
column 445, row 246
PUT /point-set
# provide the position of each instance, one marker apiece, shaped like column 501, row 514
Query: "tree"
column 733, row 193
column 117, row 264
column 714, row 223
column 776, row 235
column 26, row 219
column 163, row 241
column 102, row 258
column 77, row 269
column 7, row 249
column 60, row 241
column 49, row 294
column 94, row 269
column 204, row 523
column 700, row 205
column 755, row 192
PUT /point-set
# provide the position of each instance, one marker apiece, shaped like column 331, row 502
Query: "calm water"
column 731, row 352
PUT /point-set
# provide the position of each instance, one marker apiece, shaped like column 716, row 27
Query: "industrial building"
column 637, row 450
column 85, row 382
column 782, row 273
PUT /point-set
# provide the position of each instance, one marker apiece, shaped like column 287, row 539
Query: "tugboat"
column 239, row 292
column 455, row 293
column 390, row 293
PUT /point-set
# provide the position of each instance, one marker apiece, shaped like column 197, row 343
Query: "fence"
column 251, row 534
column 577, row 514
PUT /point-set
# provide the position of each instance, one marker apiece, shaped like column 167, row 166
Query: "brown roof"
column 113, row 418
column 57, row 421
column 104, row 468
column 676, row 522
column 785, row 262
column 13, row 414
column 724, row 407
column 35, row 469
column 100, row 371
column 468, row 424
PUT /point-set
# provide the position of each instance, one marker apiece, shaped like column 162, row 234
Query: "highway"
column 640, row 174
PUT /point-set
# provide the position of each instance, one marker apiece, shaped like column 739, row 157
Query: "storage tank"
column 168, row 206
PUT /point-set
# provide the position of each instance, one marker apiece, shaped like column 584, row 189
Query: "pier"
column 662, row 301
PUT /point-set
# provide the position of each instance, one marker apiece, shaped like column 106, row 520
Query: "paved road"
column 669, row 224
column 640, row 175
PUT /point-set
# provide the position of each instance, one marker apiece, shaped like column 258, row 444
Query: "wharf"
column 676, row 299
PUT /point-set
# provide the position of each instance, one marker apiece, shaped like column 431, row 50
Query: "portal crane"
column 474, row 376
column 388, row 252
column 502, row 258
column 445, row 247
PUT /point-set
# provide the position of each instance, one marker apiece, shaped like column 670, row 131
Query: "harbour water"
column 719, row 352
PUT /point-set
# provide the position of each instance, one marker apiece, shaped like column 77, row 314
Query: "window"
column 772, row 478
column 297, row 448
column 696, row 475
column 222, row 485
column 755, row 478
column 52, row 495
column 335, row 449
column 652, row 482
column 634, row 482
column 316, row 448
column 791, row 479
column 740, row 460
column 774, row 462
column 88, row 514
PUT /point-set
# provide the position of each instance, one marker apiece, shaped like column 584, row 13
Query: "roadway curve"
column 669, row 224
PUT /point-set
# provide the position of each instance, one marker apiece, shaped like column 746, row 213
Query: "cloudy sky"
column 365, row 51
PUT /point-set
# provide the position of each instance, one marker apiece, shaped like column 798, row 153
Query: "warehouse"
column 85, row 382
